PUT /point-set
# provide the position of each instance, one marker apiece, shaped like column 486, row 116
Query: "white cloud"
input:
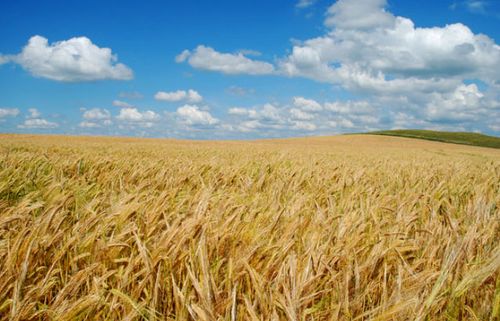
column 267, row 112
column 495, row 127
column 183, row 56
column 95, row 118
column 406, row 74
column 361, row 115
column 249, row 125
column 238, row 111
column 250, row 52
column 350, row 107
column 122, row 104
column 341, row 123
column 306, row 104
column 38, row 123
column 465, row 103
column 366, row 120
column 476, row 6
column 300, row 114
column 402, row 120
column 359, row 14
column 304, row 125
column 270, row 120
column 96, row 114
column 305, row 3
column 4, row 59
column 191, row 96
column 134, row 115
column 171, row 96
column 369, row 47
column 400, row 69
column 75, row 59
column 207, row 58
column 88, row 124
column 34, row 113
column 35, row 121
column 8, row 112
column 265, row 117
column 192, row 115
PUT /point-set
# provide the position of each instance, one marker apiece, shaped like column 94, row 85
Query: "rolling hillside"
column 464, row 138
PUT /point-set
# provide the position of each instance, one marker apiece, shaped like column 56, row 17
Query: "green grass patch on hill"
column 464, row 138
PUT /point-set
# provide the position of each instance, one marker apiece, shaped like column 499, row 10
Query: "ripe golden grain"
column 327, row 228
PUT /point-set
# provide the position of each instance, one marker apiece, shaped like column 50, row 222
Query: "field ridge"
column 462, row 138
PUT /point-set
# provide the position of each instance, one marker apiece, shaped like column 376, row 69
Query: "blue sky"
column 239, row 69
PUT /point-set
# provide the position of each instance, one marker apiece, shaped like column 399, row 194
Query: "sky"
column 248, row 69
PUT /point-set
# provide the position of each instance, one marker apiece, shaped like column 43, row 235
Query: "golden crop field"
column 329, row 228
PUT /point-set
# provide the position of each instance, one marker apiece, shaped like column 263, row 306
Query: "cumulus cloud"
column 238, row 111
column 300, row 114
column 405, row 74
column 249, row 126
column 267, row 112
column 34, row 113
column 122, row 104
column 72, row 60
column 309, row 115
column 306, row 104
column 359, row 14
column 369, row 47
column 337, row 115
column 264, row 117
column 4, row 59
column 183, row 56
column 95, row 118
column 192, row 115
column 207, row 58
column 305, row 115
column 8, row 112
column 399, row 68
column 89, row 124
column 341, row 123
column 191, row 96
column 250, row 52
column 466, row 102
column 171, row 96
column 134, row 115
column 369, row 50
column 350, row 107
column 38, row 123
column 34, row 120
column 304, row 125
column 96, row 114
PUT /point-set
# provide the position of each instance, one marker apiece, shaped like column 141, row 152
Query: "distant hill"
column 464, row 138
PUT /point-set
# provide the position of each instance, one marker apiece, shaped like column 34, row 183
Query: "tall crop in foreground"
column 348, row 228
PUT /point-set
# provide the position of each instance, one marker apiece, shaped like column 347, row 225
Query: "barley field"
column 328, row 228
